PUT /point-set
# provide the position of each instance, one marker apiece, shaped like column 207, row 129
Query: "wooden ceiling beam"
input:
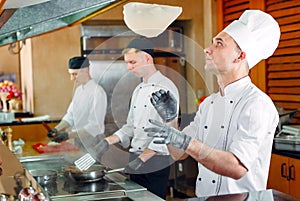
column 5, row 15
column 1, row 5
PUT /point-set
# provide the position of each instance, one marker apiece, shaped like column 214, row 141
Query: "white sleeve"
column 256, row 131
column 68, row 117
column 96, row 118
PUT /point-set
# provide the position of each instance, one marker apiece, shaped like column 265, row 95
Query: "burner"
column 79, row 187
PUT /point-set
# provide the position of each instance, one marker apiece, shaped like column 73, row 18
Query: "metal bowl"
column 44, row 177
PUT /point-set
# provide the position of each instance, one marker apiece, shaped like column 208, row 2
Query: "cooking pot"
column 94, row 173
column 50, row 188
column 44, row 177
column 284, row 117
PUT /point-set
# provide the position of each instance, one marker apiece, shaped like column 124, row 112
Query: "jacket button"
column 199, row 179
column 153, row 85
column 145, row 105
column 222, row 126
column 205, row 127
column 211, row 102
column 213, row 181
column 231, row 101
column 134, row 106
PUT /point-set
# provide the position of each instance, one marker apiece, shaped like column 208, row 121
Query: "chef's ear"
column 149, row 58
column 241, row 57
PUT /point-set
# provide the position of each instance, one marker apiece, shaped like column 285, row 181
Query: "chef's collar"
column 237, row 88
column 87, row 84
column 154, row 77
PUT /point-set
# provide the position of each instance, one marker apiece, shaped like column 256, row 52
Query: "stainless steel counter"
column 133, row 190
column 266, row 195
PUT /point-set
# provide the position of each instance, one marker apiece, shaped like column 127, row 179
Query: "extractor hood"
column 43, row 17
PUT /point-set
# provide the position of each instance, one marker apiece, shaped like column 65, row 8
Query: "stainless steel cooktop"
column 64, row 187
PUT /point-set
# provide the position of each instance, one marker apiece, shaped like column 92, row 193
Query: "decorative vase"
column 15, row 105
column 3, row 97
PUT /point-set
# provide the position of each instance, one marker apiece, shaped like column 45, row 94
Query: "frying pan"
column 94, row 173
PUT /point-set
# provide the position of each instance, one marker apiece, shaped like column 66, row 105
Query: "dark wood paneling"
column 232, row 10
column 284, row 67
column 283, row 77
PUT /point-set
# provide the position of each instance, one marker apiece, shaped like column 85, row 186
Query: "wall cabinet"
column 284, row 175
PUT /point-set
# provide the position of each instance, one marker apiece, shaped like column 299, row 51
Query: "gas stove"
column 64, row 188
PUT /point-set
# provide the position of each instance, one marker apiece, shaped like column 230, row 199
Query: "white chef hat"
column 149, row 20
column 257, row 33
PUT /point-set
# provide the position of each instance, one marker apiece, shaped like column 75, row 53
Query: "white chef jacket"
column 88, row 108
column 141, row 110
column 242, row 122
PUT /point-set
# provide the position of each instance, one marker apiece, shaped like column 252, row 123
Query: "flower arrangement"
column 11, row 88
column 198, row 101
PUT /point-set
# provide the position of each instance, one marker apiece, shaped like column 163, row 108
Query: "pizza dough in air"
column 149, row 20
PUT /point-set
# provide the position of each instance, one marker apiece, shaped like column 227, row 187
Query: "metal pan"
column 94, row 173
column 44, row 177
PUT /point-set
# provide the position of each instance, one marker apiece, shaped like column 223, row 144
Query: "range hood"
column 47, row 16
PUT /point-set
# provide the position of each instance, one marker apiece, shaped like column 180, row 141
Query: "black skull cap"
column 142, row 44
column 79, row 62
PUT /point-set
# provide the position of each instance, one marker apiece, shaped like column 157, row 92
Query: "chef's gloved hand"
column 52, row 133
column 165, row 104
column 134, row 165
column 60, row 136
column 101, row 147
column 171, row 135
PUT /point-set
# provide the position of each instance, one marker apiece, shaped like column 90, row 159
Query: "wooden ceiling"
column 1, row 5
column 5, row 14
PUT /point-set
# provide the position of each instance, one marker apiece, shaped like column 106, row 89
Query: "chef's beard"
column 211, row 67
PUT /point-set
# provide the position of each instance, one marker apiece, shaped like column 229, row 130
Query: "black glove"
column 172, row 136
column 133, row 166
column 60, row 136
column 101, row 148
column 52, row 133
column 165, row 104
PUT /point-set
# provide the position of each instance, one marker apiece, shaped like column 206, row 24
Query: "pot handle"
column 114, row 170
